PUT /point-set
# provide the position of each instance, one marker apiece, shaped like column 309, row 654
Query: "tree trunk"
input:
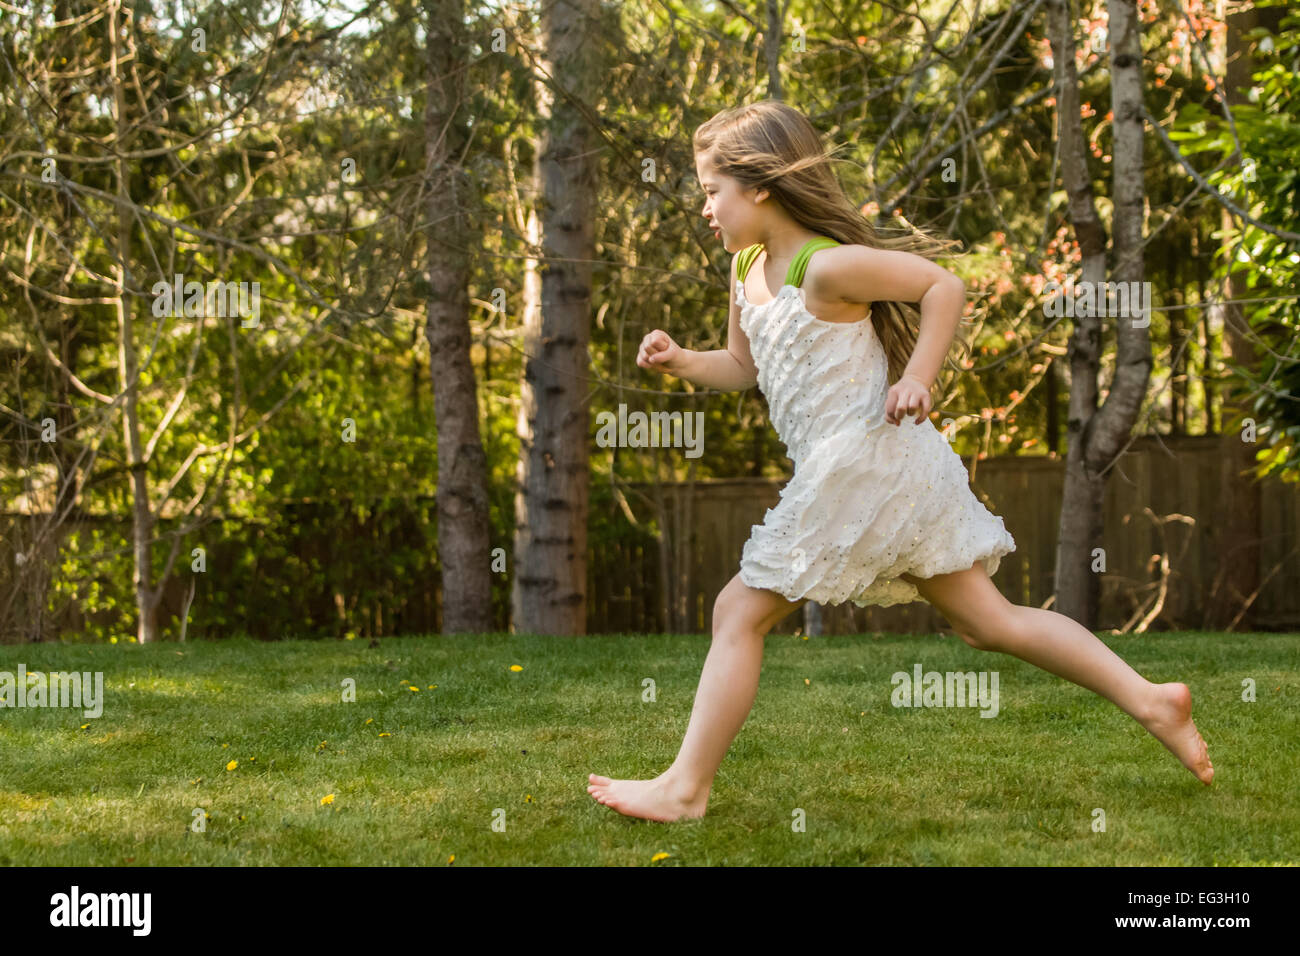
column 1208, row 371
column 1081, row 522
column 464, row 529
column 142, row 516
column 1097, row 435
column 1053, row 412
column 1178, row 361
column 773, row 37
column 550, row 583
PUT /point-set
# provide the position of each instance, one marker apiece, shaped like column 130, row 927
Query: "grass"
column 874, row 784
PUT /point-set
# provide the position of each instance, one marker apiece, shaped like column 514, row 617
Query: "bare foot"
column 1170, row 722
column 655, row 799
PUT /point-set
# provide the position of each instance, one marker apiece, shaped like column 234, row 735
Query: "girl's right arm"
column 730, row 369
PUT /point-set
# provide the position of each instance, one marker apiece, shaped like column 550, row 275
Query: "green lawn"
column 875, row 784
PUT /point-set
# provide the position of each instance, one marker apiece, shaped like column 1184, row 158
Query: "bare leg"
column 1056, row 643
column 742, row 616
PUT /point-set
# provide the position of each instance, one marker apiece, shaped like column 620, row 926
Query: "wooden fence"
column 1168, row 475
column 273, row 591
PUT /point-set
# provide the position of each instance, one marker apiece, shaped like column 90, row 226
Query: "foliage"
column 237, row 172
column 1265, row 182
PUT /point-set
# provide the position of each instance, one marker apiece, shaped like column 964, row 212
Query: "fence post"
column 812, row 619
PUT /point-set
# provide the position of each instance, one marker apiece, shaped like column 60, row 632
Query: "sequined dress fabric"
column 868, row 500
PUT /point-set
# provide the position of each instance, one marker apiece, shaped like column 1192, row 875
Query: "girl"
column 878, row 511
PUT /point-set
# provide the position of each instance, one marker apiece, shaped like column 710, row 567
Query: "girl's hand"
column 659, row 351
column 909, row 394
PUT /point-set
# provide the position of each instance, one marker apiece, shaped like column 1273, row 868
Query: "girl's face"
column 728, row 209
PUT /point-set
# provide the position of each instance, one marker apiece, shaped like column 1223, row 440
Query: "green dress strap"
column 795, row 275
column 746, row 258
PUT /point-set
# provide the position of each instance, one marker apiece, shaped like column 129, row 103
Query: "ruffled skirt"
column 864, row 507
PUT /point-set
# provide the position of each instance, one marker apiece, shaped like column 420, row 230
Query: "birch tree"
column 1098, row 433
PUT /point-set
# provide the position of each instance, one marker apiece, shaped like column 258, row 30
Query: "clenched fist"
column 909, row 394
column 659, row 351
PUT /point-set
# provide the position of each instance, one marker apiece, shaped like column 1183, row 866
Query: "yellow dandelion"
column 321, row 745
column 413, row 688
column 385, row 735
column 805, row 637
column 370, row 720
column 528, row 798
column 807, row 681
column 350, row 637
column 232, row 765
column 327, row 799
column 112, row 640
column 224, row 746
column 516, row 668
column 84, row 726
column 432, row 686
column 452, row 858
column 659, row 856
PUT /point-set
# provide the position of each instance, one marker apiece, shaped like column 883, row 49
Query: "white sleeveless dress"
column 868, row 500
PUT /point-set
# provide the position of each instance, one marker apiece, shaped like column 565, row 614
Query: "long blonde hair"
column 769, row 145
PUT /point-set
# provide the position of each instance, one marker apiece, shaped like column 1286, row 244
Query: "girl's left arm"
column 862, row 274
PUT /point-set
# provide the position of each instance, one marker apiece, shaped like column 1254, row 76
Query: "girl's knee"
column 998, row 631
column 977, row 639
column 740, row 610
column 1010, row 628
column 977, row 611
column 728, row 614
column 726, row 607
